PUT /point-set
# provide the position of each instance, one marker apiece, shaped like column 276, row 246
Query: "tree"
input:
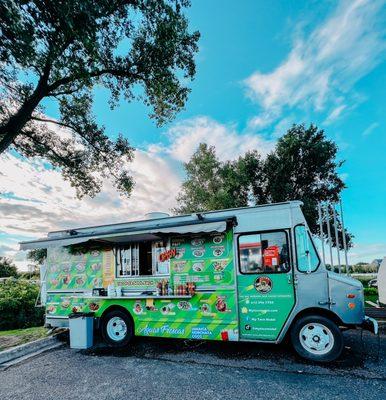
column 7, row 269
column 38, row 256
column 212, row 185
column 59, row 50
column 302, row 166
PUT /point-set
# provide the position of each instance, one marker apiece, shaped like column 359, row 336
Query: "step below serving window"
column 142, row 259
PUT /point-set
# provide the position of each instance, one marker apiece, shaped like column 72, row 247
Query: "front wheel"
column 317, row 338
column 117, row 328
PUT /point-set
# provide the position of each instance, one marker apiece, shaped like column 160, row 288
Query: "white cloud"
column 370, row 129
column 322, row 68
column 184, row 138
column 362, row 252
column 262, row 121
column 335, row 113
column 36, row 199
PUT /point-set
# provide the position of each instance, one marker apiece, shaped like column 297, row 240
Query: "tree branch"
column 94, row 74
column 97, row 149
column 52, row 121
column 66, row 161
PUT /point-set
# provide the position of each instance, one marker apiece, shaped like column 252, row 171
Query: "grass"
column 368, row 296
column 371, row 297
column 19, row 336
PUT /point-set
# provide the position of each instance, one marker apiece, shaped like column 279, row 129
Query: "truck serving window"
column 265, row 252
column 142, row 259
column 307, row 256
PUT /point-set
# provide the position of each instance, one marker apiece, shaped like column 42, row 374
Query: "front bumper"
column 370, row 324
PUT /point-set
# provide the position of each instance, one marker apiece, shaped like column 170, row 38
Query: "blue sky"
column 261, row 67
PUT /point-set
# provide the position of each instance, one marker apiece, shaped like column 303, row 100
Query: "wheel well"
column 318, row 311
column 117, row 308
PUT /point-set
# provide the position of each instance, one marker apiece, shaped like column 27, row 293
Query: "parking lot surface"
column 171, row 369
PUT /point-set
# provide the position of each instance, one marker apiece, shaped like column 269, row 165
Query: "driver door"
column 265, row 286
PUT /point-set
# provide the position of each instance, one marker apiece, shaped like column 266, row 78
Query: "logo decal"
column 263, row 284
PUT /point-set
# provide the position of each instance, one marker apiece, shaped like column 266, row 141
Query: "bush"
column 370, row 291
column 17, row 305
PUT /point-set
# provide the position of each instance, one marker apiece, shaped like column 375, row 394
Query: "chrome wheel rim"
column 116, row 329
column 316, row 338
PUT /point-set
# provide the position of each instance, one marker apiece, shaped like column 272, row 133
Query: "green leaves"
column 137, row 49
column 7, row 269
column 17, row 304
column 212, row 185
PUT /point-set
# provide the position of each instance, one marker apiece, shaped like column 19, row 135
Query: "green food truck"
column 247, row 274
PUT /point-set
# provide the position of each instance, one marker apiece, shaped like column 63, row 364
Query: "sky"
column 261, row 67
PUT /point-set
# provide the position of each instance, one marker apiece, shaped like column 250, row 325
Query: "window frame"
column 116, row 249
column 313, row 245
column 288, row 242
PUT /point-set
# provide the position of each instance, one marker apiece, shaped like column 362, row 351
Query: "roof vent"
column 156, row 215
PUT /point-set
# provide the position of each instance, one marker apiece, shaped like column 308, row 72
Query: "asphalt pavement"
column 172, row 369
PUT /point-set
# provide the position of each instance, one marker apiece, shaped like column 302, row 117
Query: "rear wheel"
column 117, row 328
column 317, row 338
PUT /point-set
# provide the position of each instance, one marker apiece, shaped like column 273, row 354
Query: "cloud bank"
column 322, row 68
column 35, row 199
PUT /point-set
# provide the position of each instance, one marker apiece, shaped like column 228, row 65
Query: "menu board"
column 66, row 271
column 206, row 260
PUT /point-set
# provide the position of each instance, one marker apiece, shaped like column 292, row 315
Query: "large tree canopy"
column 303, row 166
column 60, row 49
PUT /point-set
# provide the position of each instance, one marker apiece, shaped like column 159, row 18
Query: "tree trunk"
column 11, row 129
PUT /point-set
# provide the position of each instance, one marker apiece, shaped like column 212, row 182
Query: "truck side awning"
column 135, row 234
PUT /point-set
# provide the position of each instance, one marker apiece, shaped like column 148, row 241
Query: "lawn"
column 371, row 294
column 19, row 336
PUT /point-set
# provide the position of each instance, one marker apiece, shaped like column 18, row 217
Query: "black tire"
column 122, row 336
column 320, row 347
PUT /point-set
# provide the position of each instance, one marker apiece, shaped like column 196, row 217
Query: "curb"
column 25, row 349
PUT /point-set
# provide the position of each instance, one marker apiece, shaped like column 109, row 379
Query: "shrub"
column 17, row 305
column 369, row 291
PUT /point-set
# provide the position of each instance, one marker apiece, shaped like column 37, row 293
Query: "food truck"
column 246, row 274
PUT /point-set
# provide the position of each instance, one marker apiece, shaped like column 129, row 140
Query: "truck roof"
column 181, row 218
column 217, row 220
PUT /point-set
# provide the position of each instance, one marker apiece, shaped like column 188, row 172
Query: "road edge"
column 23, row 350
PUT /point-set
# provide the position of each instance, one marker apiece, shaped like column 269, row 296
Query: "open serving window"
column 140, row 249
column 142, row 258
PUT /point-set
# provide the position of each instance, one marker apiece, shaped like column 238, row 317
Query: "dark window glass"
column 264, row 253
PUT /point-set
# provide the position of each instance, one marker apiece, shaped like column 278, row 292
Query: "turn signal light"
column 351, row 306
column 351, row 296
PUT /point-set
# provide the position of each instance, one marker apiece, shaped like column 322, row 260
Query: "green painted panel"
column 66, row 271
column 206, row 260
column 265, row 302
column 205, row 314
